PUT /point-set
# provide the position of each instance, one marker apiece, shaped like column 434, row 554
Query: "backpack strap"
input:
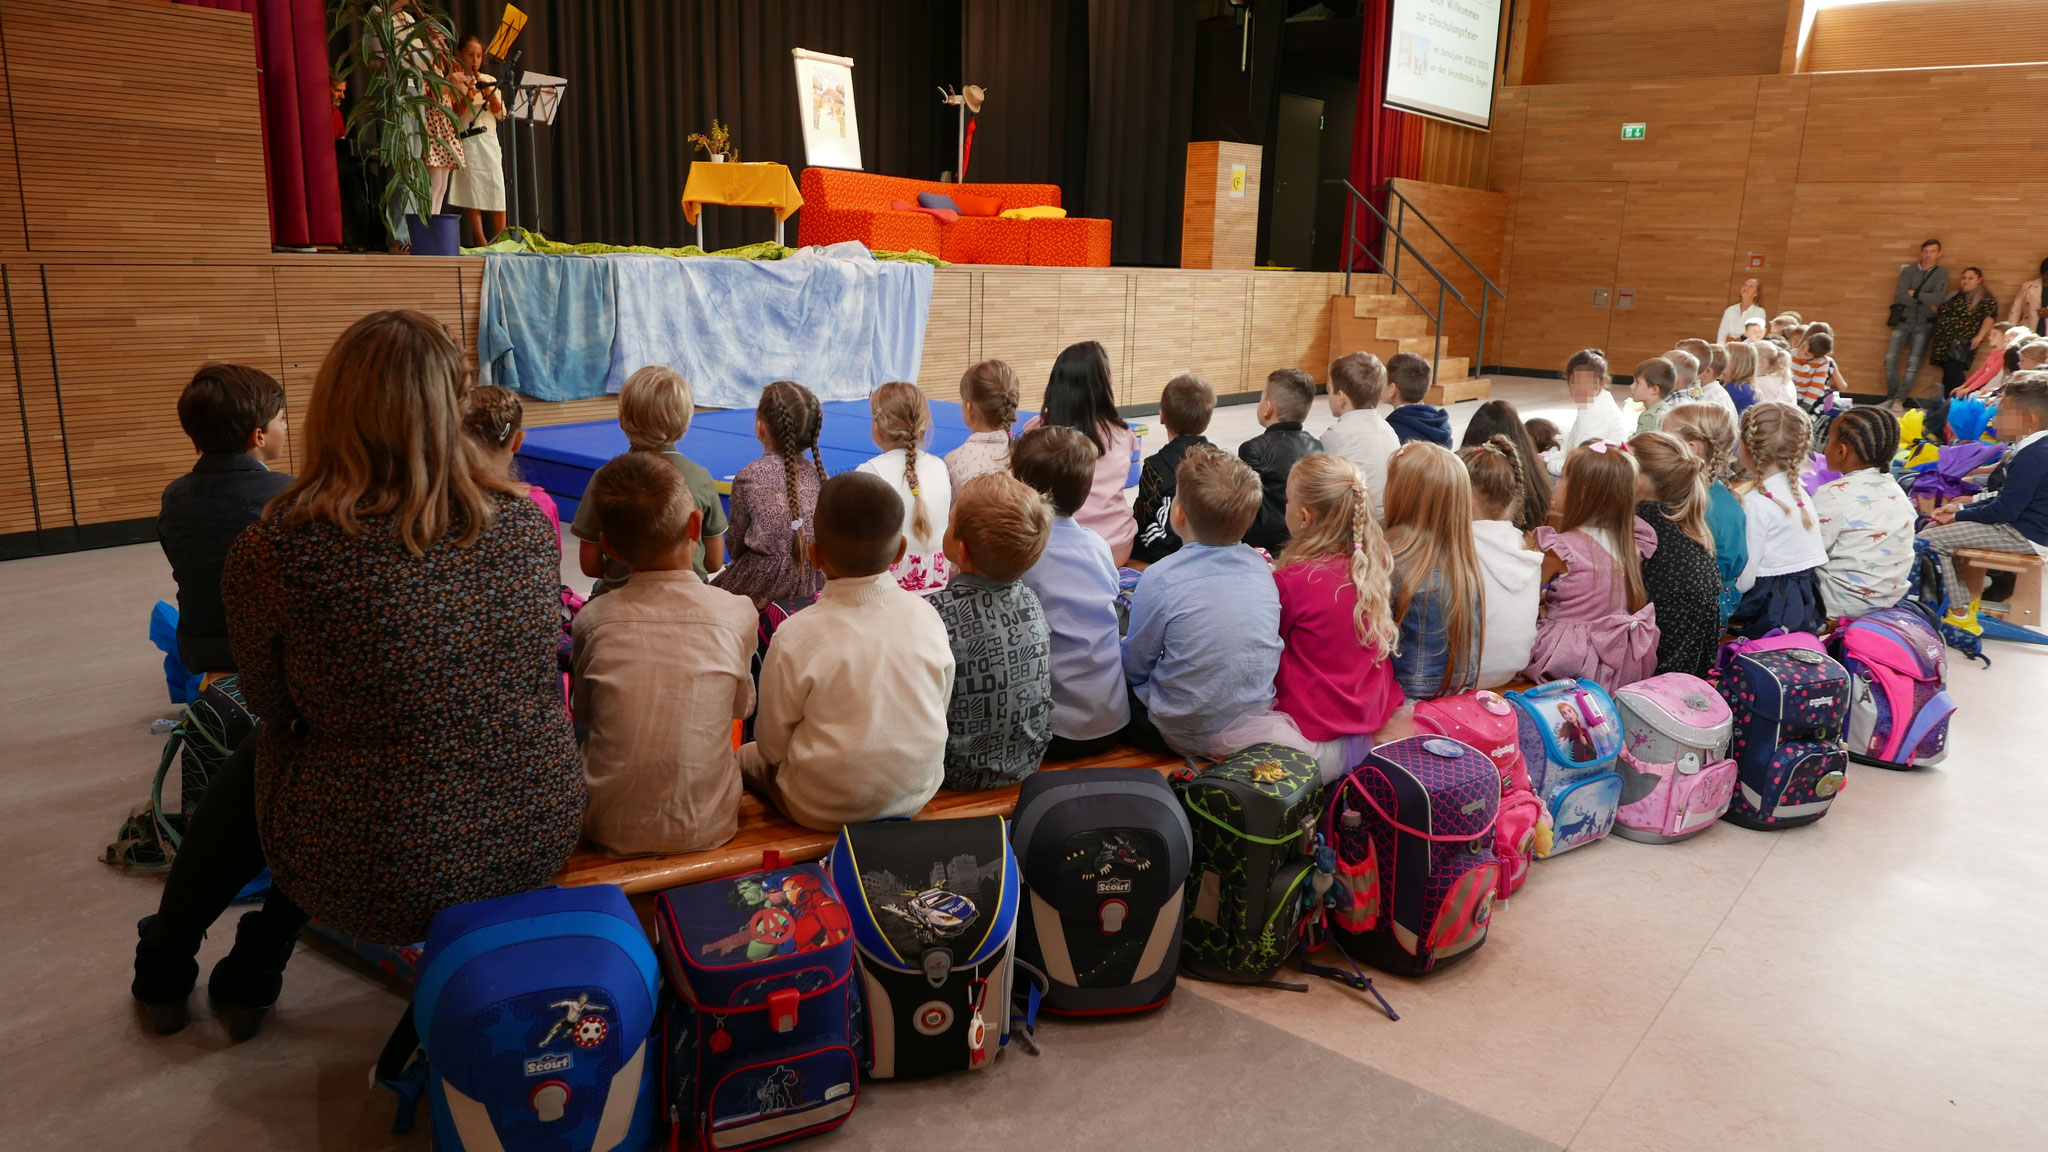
column 1315, row 934
column 1939, row 708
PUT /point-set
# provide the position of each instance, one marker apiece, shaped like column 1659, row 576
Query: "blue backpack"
column 535, row 1013
column 1571, row 736
column 757, row 1020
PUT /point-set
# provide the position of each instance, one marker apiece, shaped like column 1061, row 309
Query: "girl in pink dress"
column 1078, row 395
column 1598, row 623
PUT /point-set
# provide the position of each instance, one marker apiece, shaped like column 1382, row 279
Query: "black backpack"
column 1252, row 882
column 212, row 728
column 1104, row 853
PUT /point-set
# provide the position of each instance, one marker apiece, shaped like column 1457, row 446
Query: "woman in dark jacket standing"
column 394, row 618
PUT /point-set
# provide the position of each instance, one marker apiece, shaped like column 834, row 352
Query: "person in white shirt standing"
column 1739, row 314
column 1361, row 435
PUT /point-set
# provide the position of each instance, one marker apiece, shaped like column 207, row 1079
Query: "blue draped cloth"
column 839, row 324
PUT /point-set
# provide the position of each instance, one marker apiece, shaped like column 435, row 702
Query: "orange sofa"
column 841, row 205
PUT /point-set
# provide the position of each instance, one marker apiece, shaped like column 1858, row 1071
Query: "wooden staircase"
column 1379, row 318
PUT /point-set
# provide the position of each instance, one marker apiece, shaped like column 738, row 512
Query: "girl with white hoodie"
column 1512, row 570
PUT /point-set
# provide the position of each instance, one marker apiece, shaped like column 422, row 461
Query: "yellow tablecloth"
column 746, row 185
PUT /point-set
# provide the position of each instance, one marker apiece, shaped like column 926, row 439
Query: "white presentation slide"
column 1441, row 59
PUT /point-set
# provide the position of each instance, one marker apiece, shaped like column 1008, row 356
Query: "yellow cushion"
column 1040, row 212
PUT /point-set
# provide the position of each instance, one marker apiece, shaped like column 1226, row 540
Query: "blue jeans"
column 1896, row 387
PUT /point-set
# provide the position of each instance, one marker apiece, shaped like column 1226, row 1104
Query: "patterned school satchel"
column 1573, row 737
column 1488, row 722
column 1677, row 778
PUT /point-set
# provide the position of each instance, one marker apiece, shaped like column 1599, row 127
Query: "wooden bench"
column 762, row 829
column 2024, row 606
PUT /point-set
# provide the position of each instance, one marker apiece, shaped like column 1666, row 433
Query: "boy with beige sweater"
column 854, row 691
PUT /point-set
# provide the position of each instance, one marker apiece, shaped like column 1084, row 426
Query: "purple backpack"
column 1789, row 702
column 1899, row 706
column 1412, row 829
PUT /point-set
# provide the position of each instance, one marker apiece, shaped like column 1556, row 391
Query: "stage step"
column 1386, row 324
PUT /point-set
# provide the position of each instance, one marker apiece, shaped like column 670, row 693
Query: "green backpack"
column 213, row 726
column 1254, row 817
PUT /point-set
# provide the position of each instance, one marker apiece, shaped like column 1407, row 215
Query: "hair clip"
column 1600, row 446
column 1357, row 546
column 796, row 525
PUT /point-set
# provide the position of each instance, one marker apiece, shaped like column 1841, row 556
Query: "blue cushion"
column 936, row 200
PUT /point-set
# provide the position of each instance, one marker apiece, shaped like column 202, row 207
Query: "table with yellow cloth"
column 743, row 185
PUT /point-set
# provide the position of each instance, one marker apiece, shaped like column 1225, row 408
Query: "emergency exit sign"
column 1634, row 131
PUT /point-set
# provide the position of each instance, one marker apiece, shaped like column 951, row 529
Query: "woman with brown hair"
column 394, row 618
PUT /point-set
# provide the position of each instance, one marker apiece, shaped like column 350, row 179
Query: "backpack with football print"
column 1486, row 721
column 1676, row 776
column 1416, row 874
column 1253, row 817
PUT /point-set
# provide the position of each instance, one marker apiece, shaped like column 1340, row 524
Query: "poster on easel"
column 824, row 91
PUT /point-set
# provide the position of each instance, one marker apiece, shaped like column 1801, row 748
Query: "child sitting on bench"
column 663, row 667
column 2014, row 518
column 852, row 724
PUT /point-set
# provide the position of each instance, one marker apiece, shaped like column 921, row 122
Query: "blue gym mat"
column 561, row 457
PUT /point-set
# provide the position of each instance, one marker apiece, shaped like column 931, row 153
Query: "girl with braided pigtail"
column 902, row 424
column 1336, row 677
column 1780, row 584
column 1709, row 431
column 1672, row 494
column 989, row 395
column 1866, row 522
column 1511, row 570
column 775, row 501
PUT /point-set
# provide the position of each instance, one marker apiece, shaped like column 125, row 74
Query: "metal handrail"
column 1445, row 289
column 1408, row 206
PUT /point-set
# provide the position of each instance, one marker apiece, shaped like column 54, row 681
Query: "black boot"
column 164, row 977
column 246, row 982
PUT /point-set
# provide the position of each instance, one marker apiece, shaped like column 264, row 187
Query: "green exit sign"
column 1634, row 131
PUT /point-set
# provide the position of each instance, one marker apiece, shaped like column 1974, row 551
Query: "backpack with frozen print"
column 1571, row 737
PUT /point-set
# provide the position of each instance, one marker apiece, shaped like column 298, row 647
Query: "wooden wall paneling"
column 1015, row 305
column 1676, row 294
column 1567, row 243
column 1606, row 40
column 1221, row 307
column 13, row 236
column 17, row 492
column 1504, row 175
column 1695, row 131
column 1522, row 62
column 1162, row 334
column 948, row 334
column 1870, row 127
column 1219, row 230
column 1767, row 187
column 1094, row 306
column 1847, row 242
column 108, row 159
column 41, row 417
column 1453, row 154
column 128, row 337
column 1475, row 220
column 1289, row 326
column 1926, row 34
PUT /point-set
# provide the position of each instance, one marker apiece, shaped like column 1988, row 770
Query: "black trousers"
column 1140, row 733
column 221, row 854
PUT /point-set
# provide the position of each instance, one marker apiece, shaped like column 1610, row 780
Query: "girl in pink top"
column 1598, row 623
column 1335, row 679
column 494, row 418
column 1078, row 396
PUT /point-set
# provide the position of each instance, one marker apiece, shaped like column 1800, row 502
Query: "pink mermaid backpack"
column 1487, row 722
column 1676, row 776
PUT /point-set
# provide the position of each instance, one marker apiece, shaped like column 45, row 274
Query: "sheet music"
column 539, row 97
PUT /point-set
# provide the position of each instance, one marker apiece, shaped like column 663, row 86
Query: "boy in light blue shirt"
column 1076, row 583
column 1205, row 641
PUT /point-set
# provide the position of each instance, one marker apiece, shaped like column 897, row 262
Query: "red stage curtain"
column 298, row 119
column 1384, row 143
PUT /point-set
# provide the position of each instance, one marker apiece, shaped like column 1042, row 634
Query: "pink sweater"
column 1106, row 512
column 1331, row 685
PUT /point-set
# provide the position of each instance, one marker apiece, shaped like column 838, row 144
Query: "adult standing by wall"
column 1920, row 290
column 478, row 187
column 395, row 619
column 1739, row 314
column 1961, row 325
column 2026, row 304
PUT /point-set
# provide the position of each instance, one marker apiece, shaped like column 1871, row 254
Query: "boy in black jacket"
column 2012, row 518
column 1414, row 419
column 235, row 417
column 1185, row 407
column 1273, row 453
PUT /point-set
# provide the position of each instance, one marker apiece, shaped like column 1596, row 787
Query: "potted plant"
column 402, row 51
column 717, row 144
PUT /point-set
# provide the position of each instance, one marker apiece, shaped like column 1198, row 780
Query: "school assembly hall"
column 614, row 575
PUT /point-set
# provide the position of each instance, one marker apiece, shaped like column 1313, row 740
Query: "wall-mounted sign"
column 1237, row 181
column 1626, row 298
column 1756, row 259
column 1634, row 131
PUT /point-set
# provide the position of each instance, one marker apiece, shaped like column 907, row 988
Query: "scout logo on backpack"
column 758, row 1013
column 1489, row 723
column 1677, row 778
column 1789, row 701
column 1899, row 706
column 1576, row 736
column 1413, row 833
column 1104, row 854
column 1253, row 819
column 933, row 905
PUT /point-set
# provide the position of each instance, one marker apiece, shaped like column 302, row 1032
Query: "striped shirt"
column 1810, row 377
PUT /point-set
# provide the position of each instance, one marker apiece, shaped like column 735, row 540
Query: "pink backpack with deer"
column 1487, row 722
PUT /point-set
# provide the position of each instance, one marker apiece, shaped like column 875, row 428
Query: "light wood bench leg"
column 1973, row 565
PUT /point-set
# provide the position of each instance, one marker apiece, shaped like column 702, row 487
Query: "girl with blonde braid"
column 1512, row 570
column 1780, row 584
column 902, row 424
column 775, row 502
column 1336, row 678
column 1709, row 431
column 1672, row 495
